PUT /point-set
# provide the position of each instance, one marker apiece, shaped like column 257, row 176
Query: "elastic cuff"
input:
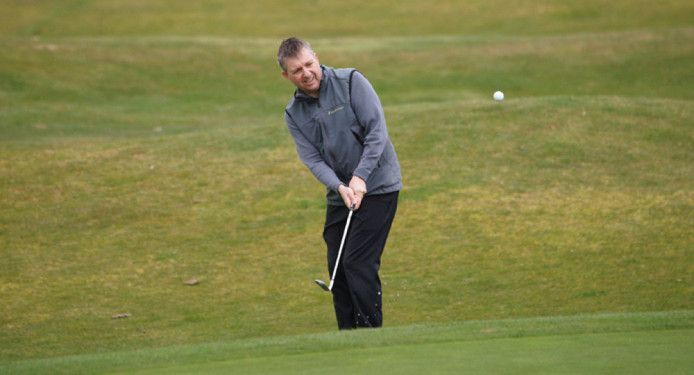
column 361, row 175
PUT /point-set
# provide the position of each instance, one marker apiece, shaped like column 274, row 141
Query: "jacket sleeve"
column 367, row 107
column 310, row 156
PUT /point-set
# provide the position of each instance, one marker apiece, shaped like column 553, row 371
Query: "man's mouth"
column 309, row 80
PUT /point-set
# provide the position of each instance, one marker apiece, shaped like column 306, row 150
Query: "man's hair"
column 290, row 47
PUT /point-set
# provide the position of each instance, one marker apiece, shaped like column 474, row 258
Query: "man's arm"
column 367, row 107
column 310, row 156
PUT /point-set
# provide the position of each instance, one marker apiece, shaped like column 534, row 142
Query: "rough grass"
column 139, row 152
column 273, row 18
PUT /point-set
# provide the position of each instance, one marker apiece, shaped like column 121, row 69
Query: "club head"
column 322, row 284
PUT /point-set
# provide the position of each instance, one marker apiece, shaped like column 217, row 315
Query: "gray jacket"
column 343, row 134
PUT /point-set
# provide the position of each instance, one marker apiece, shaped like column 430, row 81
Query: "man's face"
column 304, row 71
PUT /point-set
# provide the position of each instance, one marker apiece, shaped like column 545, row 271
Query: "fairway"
column 602, row 343
column 616, row 353
column 142, row 144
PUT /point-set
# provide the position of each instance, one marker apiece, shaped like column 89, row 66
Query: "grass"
column 137, row 152
column 614, row 343
column 624, row 353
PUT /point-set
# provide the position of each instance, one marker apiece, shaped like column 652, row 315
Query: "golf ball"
column 498, row 96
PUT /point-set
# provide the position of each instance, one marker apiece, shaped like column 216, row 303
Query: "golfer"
column 337, row 123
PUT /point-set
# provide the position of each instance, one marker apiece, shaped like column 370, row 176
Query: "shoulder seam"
column 349, row 84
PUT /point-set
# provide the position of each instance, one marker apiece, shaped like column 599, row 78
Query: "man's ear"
column 285, row 74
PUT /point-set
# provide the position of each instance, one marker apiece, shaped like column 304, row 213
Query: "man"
column 337, row 123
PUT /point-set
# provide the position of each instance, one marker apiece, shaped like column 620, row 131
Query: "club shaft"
column 339, row 253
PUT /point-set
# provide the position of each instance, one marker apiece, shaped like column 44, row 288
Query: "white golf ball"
column 498, row 96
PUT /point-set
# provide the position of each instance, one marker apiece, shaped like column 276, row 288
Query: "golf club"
column 321, row 283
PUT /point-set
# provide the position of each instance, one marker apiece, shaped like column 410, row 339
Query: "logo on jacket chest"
column 335, row 110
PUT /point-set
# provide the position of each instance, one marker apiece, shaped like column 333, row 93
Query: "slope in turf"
column 648, row 352
column 619, row 342
column 139, row 151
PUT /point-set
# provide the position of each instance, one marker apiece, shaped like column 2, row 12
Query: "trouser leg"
column 357, row 288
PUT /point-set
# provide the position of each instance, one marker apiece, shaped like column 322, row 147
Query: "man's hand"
column 348, row 196
column 358, row 186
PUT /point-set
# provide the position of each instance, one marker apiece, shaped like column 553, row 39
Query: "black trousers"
column 357, row 288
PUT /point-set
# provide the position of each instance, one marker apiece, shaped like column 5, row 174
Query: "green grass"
column 622, row 353
column 142, row 145
column 270, row 18
column 605, row 343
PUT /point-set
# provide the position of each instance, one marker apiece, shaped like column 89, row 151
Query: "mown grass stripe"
column 465, row 331
column 643, row 352
column 373, row 42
